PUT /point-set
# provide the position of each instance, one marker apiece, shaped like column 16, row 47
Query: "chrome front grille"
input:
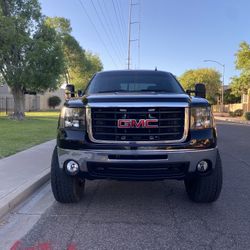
column 171, row 124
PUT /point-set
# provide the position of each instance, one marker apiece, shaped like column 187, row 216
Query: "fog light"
column 72, row 167
column 202, row 166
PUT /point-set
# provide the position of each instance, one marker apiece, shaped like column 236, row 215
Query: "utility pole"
column 222, row 92
column 129, row 33
column 130, row 23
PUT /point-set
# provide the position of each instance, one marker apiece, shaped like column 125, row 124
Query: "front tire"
column 205, row 189
column 66, row 189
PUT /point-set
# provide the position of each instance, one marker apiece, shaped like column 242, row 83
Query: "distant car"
column 137, row 125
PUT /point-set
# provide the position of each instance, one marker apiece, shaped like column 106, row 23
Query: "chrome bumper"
column 192, row 156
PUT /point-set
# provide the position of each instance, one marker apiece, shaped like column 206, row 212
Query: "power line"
column 122, row 21
column 129, row 34
column 113, row 28
column 118, row 21
column 114, row 37
column 130, row 23
column 121, row 13
column 96, row 30
column 139, row 36
column 105, row 30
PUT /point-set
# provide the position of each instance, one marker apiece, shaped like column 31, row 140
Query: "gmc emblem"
column 142, row 123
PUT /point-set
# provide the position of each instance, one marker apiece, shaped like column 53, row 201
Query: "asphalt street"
column 142, row 215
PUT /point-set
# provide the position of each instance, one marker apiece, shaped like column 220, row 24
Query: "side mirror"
column 80, row 93
column 200, row 90
column 69, row 91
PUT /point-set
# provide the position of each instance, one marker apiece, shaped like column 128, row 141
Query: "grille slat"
column 113, row 119
column 104, row 126
column 98, row 133
column 139, row 112
column 140, row 171
column 170, row 124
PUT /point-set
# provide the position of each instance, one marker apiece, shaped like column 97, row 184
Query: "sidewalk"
column 22, row 173
column 231, row 119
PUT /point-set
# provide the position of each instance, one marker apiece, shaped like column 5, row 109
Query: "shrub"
column 54, row 101
column 238, row 112
column 231, row 113
column 247, row 116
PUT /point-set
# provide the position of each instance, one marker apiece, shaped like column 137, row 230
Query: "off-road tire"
column 205, row 189
column 65, row 188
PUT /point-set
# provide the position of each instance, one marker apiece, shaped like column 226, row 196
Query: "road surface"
column 142, row 215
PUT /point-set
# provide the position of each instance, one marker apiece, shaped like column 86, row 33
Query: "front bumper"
column 137, row 164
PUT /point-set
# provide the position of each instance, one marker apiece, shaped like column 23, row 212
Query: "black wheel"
column 66, row 189
column 206, row 189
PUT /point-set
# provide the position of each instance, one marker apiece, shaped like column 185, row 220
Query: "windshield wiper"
column 112, row 91
column 156, row 90
column 138, row 91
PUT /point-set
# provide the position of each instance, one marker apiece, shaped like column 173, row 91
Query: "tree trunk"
column 19, row 104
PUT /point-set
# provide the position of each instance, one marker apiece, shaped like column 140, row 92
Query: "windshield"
column 134, row 81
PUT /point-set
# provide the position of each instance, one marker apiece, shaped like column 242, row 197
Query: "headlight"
column 201, row 118
column 72, row 118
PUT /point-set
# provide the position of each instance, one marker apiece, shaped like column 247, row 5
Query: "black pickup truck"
column 137, row 125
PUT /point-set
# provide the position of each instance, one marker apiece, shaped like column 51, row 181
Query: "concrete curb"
column 231, row 120
column 23, row 192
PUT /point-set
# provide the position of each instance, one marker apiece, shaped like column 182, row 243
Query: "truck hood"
column 136, row 98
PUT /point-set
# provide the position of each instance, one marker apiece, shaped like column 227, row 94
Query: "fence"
column 6, row 105
column 244, row 105
column 32, row 103
column 228, row 107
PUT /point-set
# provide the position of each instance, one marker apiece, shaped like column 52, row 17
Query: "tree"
column 243, row 58
column 79, row 64
column 208, row 76
column 229, row 97
column 60, row 24
column 93, row 65
column 31, row 58
column 75, row 66
column 241, row 84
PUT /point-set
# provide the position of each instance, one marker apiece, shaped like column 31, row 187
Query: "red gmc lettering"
column 124, row 123
column 150, row 125
column 139, row 124
column 142, row 123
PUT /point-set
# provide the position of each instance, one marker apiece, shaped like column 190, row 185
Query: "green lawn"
column 16, row 136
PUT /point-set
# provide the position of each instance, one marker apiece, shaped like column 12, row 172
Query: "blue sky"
column 176, row 35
